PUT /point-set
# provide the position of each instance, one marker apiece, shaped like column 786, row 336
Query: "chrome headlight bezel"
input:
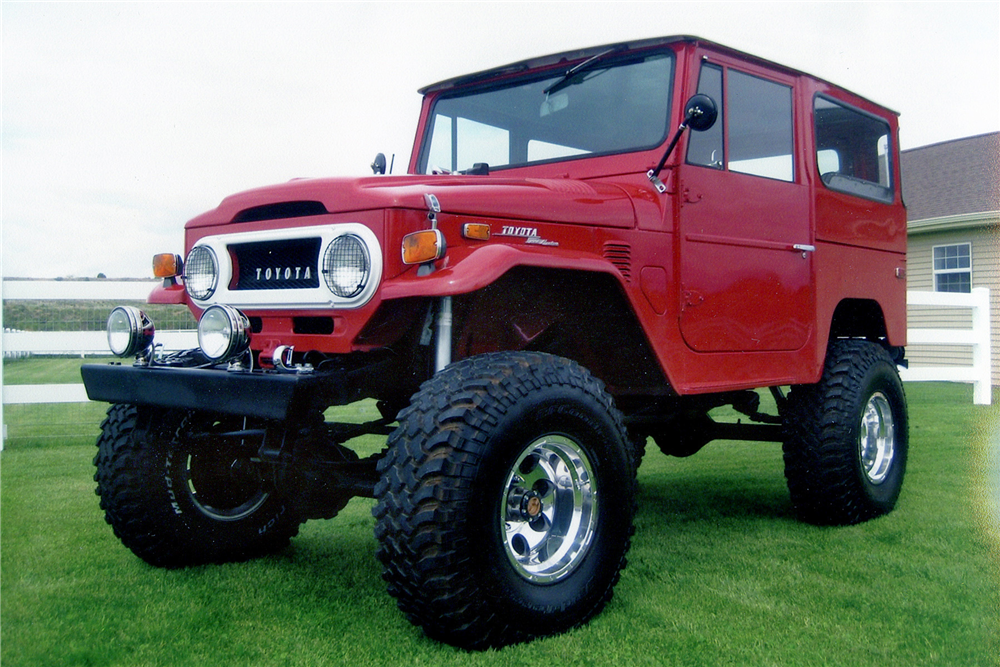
column 130, row 331
column 201, row 272
column 223, row 333
column 346, row 266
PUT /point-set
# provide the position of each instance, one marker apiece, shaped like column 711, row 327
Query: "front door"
column 745, row 239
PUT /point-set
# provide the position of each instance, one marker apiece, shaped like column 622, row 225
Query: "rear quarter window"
column 853, row 150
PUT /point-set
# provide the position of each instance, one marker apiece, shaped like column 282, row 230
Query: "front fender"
column 172, row 295
column 468, row 270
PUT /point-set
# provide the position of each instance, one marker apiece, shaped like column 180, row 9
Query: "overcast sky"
column 122, row 121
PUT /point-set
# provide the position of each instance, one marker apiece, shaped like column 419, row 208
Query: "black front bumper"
column 269, row 395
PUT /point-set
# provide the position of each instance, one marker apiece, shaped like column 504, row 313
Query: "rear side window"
column 852, row 151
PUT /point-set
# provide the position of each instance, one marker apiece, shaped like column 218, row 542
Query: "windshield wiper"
column 572, row 73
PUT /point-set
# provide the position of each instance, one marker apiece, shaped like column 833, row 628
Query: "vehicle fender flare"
column 174, row 294
column 466, row 272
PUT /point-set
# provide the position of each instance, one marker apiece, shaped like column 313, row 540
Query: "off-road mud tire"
column 830, row 478
column 144, row 480
column 445, row 540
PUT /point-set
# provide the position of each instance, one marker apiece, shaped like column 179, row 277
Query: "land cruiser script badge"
column 529, row 234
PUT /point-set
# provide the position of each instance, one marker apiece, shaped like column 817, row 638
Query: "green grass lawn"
column 720, row 572
column 47, row 370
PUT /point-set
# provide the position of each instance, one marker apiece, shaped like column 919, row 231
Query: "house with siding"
column 952, row 195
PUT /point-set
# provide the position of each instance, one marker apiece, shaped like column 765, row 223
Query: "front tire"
column 507, row 498
column 176, row 502
column 847, row 437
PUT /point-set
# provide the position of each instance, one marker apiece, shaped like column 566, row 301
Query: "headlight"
column 223, row 333
column 346, row 266
column 130, row 331
column 201, row 272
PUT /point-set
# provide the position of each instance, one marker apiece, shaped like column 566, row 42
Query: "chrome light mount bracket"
column 282, row 360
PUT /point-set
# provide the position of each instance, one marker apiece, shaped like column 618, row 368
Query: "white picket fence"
column 19, row 344
column 95, row 343
column 977, row 337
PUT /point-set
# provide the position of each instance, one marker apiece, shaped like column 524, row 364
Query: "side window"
column 760, row 127
column 757, row 115
column 706, row 148
column 852, row 151
column 953, row 268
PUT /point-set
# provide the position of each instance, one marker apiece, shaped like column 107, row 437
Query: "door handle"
column 804, row 248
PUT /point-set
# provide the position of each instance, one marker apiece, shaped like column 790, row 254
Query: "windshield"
column 607, row 108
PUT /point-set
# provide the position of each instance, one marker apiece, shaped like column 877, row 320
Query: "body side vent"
column 620, row 254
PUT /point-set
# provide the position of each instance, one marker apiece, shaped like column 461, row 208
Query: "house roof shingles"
column 952, row 178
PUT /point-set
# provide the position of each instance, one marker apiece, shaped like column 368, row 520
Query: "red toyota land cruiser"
column 589, row 249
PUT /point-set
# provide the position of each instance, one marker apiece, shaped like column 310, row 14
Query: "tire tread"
column 441, row 440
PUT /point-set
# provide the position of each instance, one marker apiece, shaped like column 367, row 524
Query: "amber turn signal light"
column 423, row 246
column 166, row 265
column 479, row 231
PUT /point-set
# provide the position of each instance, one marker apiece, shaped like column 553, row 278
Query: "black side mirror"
column 378, row 166
column 700, row 112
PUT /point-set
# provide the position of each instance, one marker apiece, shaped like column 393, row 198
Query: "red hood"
column 542, row 200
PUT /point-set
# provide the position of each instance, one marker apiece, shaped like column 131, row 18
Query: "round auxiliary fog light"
column 130, row 331
column 223, row 333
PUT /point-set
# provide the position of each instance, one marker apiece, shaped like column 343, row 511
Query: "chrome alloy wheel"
column 549, row 513
column 877, row 438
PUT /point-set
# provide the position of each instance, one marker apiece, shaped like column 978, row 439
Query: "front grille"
column 269, row 265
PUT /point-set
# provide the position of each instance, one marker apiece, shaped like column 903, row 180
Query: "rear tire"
column 847, row 437
column 507, row 498
column 176, row 503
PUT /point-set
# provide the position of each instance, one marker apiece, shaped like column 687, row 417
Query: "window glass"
column 611, row 107
column 757, row 114
column 953, row 268
column 466, row 142
column 479, row 142
column 760, row 127
column 706, row 148
column 828, row 161
column 543, row 150
column 853, row 151
column 439, row 153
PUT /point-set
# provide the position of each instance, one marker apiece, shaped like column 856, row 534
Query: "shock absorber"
column 442, row 356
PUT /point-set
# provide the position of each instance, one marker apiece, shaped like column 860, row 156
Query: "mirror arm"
column 654, row 174
column 700, row 114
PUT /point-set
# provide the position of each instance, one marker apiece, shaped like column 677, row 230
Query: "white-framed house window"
column 953, row 267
